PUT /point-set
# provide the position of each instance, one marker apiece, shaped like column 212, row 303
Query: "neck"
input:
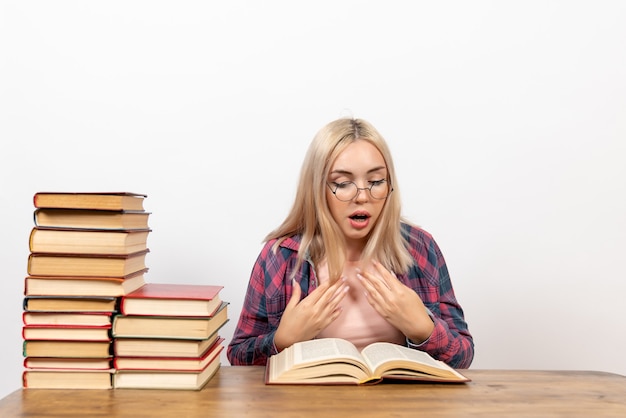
column 354, row 251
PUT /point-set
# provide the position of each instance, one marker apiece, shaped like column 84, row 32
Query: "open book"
column 337, row 361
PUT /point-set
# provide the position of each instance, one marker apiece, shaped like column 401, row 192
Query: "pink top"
column 359, row 322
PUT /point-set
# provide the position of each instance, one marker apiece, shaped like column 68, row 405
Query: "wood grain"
column 240, row 391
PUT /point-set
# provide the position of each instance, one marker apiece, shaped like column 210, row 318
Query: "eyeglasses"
column 348, row 190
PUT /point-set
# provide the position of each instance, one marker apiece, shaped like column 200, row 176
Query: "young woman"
column 345, row 263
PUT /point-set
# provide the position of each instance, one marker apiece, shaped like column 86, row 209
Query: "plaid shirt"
column 270, row 289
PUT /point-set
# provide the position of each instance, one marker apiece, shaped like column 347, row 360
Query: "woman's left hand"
column 397, row 303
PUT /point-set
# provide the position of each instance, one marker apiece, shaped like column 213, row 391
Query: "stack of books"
column 166, row 336
column 86, row 251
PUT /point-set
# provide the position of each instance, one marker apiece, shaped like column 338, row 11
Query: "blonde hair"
column 310, row 216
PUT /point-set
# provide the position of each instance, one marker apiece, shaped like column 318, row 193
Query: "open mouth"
column 359, row 217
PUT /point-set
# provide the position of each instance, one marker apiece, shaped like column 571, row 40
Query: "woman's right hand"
column 303, row 319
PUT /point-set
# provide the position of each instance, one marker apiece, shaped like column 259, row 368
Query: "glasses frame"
column 358, row 190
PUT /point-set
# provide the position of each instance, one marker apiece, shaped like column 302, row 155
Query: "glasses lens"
column 379, row 189
column 346, row 191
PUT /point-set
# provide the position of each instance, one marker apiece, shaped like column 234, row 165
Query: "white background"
column 507, row 121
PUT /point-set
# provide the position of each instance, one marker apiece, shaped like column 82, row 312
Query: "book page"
column 323, row 360
column 325, row 349
column 378, row 353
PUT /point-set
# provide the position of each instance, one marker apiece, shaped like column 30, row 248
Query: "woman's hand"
column 304, row 319
column 397, row 303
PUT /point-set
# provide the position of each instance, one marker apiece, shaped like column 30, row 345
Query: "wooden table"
column 240, row 391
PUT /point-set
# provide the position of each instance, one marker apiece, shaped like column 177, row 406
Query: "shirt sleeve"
column 450, row 341
column 253, row 339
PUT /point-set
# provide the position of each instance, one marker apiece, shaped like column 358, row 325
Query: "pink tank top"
column 359, row 322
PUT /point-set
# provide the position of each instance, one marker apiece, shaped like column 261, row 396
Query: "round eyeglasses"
column 348, row 190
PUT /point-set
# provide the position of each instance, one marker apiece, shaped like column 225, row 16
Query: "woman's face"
column 362, row 164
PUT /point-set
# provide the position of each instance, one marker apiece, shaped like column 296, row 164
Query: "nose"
column 361, row 194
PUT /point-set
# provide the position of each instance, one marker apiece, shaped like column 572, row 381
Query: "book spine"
column 122, row 310
column 31, row 238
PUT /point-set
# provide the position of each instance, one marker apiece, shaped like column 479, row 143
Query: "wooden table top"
column 240, row 391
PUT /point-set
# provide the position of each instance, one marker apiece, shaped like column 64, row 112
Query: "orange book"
column 87, row 241
column 85, row 265
column 162, row 347
column 66, row 349
column 67, row 332
column 67, row 303
column 90, row 319
column 67, row 379
column 90, row 200
column 191, row 327
column 91, row 218
column 83, row 286
column 172, row 300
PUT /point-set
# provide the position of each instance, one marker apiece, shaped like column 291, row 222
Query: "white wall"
column 507, row 121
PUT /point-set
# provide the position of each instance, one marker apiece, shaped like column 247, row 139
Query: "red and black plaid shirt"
column 270, row 288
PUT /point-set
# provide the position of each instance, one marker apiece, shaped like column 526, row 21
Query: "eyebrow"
column 370, row 171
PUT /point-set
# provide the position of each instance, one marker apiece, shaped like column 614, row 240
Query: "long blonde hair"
column 310, row 216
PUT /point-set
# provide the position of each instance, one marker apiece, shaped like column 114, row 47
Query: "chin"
column 357, row 235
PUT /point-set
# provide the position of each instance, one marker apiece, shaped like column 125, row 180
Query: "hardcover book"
column 87, row 241
column 90, row 200
column 89, row 219
column 86, row 265
column 77, row 363
column 170, row 326
column 65, row 349
column 170, row 363
column 162, row 347
column 66, row 333
column 67, row 303
column 93, row 319
column 172, row 300
column 337, row 361
column 165, row 379
column 67, row 379
column 83, row 286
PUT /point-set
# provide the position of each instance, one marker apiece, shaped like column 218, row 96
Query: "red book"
column 71, row 363
column 161, row 299
column 170, row 363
